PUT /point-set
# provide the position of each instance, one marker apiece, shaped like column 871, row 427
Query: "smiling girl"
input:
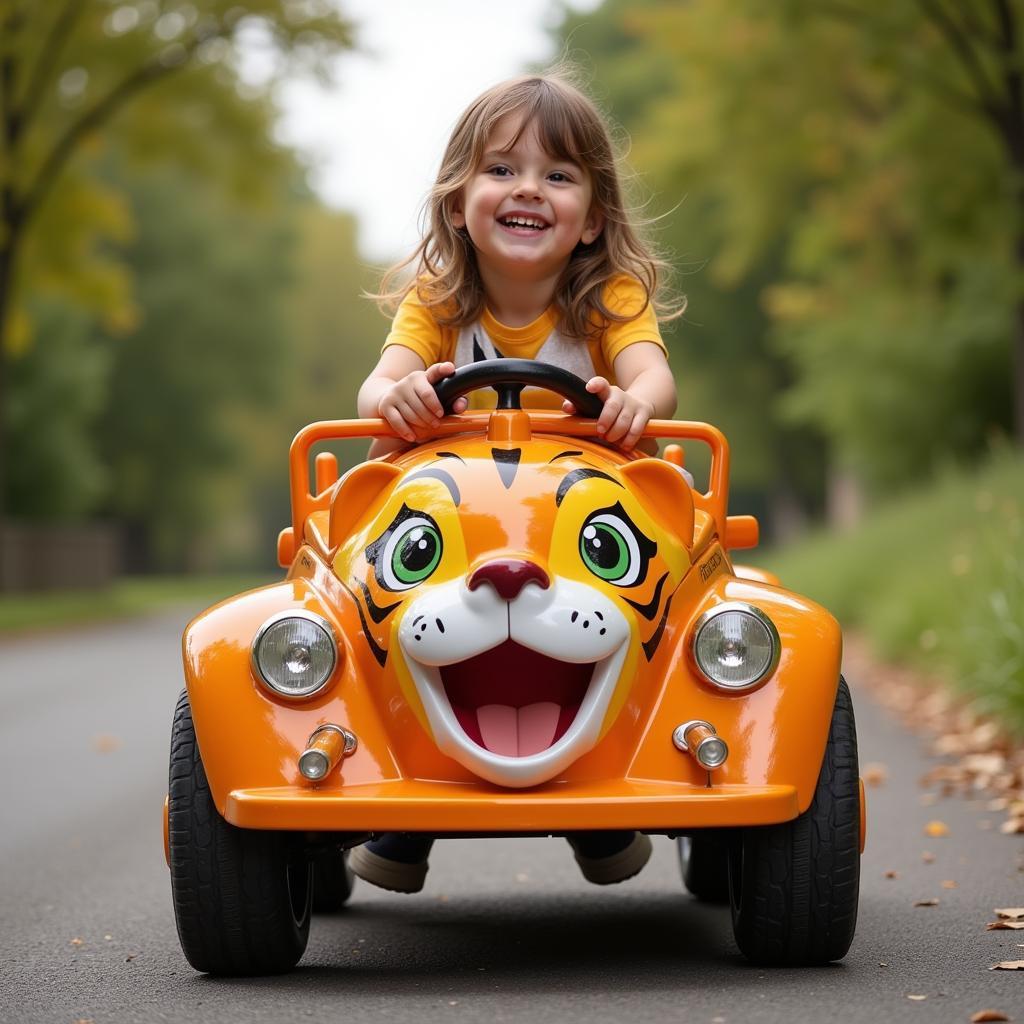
column 529, row 253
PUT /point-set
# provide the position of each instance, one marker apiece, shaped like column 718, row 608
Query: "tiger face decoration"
column 513, row 590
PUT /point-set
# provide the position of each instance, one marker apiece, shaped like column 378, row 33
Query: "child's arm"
column 400, row 389
column 647, row 391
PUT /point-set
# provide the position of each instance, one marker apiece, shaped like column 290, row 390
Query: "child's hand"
column 410, row 406
column 624, row 416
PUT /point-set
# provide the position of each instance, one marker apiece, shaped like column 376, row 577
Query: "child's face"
column 524, row 209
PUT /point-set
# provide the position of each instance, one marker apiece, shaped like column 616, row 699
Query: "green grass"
column 123, row 599
column 934, row 578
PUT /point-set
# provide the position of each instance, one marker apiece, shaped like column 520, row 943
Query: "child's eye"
column 499, row 171
column 559, row 176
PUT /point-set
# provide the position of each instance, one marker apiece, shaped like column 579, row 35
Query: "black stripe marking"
column 575, row 476
column 507, row 461
column 649, row 610
column 377, row 613
column 563, row 455
column 451, row 455
column 378, row 652
column 652, row 645
column 437, row 474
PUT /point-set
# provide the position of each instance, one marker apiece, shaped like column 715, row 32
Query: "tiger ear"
column 666, row 494
column 355, row 492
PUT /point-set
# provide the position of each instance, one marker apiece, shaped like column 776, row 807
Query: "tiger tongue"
column 518, row 732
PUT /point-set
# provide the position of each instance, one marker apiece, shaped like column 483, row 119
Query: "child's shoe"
column 609, row 857
column 396, row 861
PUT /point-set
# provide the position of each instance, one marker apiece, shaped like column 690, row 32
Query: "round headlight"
column 294, row 653
column 735, row 646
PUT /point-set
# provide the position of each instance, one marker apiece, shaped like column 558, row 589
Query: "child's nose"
column 527, row 188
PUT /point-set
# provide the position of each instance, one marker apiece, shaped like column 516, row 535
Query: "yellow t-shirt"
column 415, row 328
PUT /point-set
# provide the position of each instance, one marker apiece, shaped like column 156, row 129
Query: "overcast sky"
column 376, row 140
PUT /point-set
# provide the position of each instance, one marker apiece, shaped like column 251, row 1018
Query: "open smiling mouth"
column 513, row 701
column 523, row 224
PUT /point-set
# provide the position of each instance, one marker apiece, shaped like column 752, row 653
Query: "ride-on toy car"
column 512, row 629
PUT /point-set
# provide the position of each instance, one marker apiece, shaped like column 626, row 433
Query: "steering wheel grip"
column 509, row 376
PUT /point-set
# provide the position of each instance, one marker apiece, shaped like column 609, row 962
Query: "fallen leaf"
column 1012, row 827
column 130, row 957
column 1000, row 926
column 949, row 884
column 928, row 858
column 875, row 774
column 936, row 829
column 892, row 874
column 108, row 937
column 982, row 1016
column 927, row 903
column 76, row 941
column 917, row 999
column 883, row 965
column 1008, row 965
column 1012, row 913
column 104, row 743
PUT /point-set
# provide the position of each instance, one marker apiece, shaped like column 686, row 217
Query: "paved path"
column 505, row 930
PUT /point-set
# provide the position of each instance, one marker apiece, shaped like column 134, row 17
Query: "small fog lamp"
column 735, row 646
column 699, row 739
column 294, row 653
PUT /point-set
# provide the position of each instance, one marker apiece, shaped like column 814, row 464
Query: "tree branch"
column 960, row 43
column 96, row 115
column 43, row 71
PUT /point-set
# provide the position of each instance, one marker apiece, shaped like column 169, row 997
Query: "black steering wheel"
column 509, row 376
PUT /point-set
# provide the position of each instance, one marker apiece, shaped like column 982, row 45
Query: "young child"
column 528, row 253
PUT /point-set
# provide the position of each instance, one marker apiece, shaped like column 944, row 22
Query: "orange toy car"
column 512, row 629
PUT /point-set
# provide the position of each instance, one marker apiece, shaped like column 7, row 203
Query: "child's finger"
column 428, row 397
column 598, row 386
column 621, row 425
column 438, row 372
column 636, row 428
column 609, row 414
column 568, row 407
column 393, row 418
column 414, row 413
column 460, row 405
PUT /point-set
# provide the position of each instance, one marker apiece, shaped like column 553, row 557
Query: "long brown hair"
column 569, row 127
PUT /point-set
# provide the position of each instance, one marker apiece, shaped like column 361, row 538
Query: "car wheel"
column 241, row 896
column 794, row 887
column 332, row 881
column 704, row 865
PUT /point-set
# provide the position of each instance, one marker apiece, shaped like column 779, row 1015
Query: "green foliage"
column 934, row 577
column 211, row 285
column 847, row 185
column 58, row 393
column 162, row 81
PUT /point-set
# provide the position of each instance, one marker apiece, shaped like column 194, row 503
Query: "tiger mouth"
column 514, row 701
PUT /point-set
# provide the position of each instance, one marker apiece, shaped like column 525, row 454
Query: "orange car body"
column 519, row 486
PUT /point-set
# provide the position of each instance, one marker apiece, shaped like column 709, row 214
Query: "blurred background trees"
column 152, row 236
column 845, row 180
column 838, row 183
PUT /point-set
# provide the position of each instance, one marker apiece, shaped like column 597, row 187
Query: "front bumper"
column 452, row 807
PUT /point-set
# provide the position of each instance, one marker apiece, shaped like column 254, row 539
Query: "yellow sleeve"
column 625, row 296
column 415, row 327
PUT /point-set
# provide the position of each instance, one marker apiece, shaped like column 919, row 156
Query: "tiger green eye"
column 604, row 551
column 416, row 554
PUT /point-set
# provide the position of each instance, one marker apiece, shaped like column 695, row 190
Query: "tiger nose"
column 508, row 576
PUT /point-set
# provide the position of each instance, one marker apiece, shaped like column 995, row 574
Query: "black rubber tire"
column 332, row 881
column 241, row 896
column 704, row 865
column 794, row 887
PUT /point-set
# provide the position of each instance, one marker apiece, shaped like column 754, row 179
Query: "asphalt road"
column 505, row 929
